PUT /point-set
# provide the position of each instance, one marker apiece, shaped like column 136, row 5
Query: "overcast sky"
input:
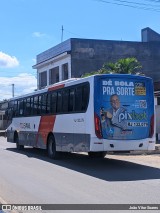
column 29, row 27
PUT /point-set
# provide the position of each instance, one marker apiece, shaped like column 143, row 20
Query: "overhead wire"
column 136, row 3
column 155, row 1
column 131, row 4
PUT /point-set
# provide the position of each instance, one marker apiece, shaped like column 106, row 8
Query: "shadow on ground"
column 106, row 169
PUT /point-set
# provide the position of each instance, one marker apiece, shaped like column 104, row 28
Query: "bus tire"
column 18, row 146
column 51, row 148
column 96, row 154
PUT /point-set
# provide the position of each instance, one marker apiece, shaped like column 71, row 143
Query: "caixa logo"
column 132, row 116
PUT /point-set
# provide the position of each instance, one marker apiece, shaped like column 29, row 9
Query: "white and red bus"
column 95, row 114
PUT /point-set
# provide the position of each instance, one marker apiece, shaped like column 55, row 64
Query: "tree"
column 122, row 66
column 127, row 66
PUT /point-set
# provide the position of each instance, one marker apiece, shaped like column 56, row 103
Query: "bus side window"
column 43, row 104
column 32, row 106
column 53, row 102
column 39, row 105
column 71, row 100
column 48, row 100
column 35, row 105
column 65, row 100
column 78, row 99
column 24, row 107
column 85, row 97
column 59, row 101
column 20, row 107
column 28, row 106
column 15, row 109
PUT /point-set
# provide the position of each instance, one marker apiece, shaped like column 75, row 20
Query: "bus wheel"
column 19, row 147
column 96, row 154
column 51, row 148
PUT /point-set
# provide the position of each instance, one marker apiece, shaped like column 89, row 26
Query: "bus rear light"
column 151, row 130
column 98, row 129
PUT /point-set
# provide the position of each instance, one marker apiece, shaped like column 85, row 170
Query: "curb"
column 144, row 152
column 150, row 152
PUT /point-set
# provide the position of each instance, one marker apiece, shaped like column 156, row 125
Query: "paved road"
column 29, row 177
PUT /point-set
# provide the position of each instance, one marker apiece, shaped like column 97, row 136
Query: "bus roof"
column 71, row 81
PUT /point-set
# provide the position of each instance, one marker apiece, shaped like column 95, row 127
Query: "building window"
column 65, row 71
column 54, row 75
column 43, row 79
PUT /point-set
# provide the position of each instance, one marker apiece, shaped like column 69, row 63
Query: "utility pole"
column 62, row 34
column 12, row 90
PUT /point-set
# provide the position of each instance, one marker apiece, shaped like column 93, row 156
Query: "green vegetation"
column 122, row 66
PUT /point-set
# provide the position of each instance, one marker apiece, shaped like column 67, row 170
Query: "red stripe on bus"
column 56, row 87
column 46, row 125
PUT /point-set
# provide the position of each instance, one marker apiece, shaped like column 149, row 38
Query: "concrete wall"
column 89, row 55
column 148, row 35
